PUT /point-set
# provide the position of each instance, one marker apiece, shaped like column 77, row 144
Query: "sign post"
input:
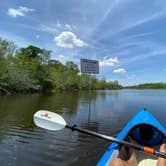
column 90, row 67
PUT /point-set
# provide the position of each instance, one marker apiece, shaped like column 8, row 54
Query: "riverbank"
column 159, row 85
column 106, row 86
column 30, row 69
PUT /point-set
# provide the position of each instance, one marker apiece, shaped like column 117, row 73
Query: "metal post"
column 90, row 86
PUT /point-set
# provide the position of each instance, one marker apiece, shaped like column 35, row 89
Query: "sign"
column 89, row 66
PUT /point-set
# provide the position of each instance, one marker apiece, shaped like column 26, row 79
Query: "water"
column 22, row 143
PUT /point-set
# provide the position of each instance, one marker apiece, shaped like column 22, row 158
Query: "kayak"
column 143, row 129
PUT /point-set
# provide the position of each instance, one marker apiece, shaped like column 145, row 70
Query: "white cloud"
column 68, row 39
column 20, row 11
column 64, row 27
column 50, row 29
column 69, row 27
column 55, row 28
column 109, row 62
column 119, row 70
column 61, row 56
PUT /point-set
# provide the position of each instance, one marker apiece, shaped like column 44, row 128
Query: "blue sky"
column 128, row 37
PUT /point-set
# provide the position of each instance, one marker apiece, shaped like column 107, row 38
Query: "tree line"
column 31, row 69
column 159, row 85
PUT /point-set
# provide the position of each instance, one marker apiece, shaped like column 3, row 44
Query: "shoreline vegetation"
column 31, row 70
column 159, row 85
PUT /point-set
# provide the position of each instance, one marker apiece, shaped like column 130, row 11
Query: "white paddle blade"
column 49, row 120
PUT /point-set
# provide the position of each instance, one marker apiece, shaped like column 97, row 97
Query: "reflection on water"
column 22, row 143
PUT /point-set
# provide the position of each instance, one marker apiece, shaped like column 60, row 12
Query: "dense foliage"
column 149, row 86
column 31, row 69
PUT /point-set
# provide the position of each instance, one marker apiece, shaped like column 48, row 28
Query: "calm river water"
column 22, row 143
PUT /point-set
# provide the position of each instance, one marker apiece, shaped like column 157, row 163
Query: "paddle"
column 52, row 121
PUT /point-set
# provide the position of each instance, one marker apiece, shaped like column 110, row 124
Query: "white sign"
column 89, row 66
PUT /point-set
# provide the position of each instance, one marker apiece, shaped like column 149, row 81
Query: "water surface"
column 22, row 143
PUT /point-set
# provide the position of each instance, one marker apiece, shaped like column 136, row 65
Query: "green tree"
column 72, row 67
column 32, row 52
column 84, row 80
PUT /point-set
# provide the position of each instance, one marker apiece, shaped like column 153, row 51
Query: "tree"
column 32, row 52
column 84, row 81
column 72, row 67
column 7, row 48
column 55, row 64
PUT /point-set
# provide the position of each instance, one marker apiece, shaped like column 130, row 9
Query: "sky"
column 127, row 37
